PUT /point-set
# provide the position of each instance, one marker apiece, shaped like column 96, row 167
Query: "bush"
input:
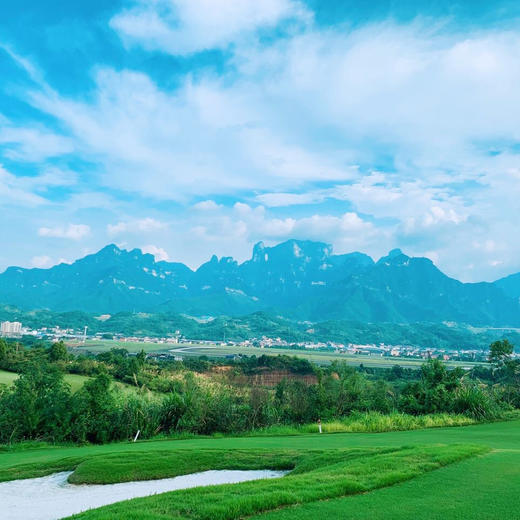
column 41, row 406
column 476, row 402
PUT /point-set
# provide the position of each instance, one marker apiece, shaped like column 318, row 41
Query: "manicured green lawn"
column 316, row 476
column 484, row 486
column 480, row 488
column 504, row 435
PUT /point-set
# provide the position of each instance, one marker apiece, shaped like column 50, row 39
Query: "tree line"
column 41, row 406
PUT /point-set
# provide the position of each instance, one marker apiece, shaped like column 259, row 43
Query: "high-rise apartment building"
column 10, row 328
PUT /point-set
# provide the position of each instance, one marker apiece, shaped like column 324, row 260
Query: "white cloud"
column 70, row 232
column 23, row 63
column 206, row 205
column 437, row 214
column 32, row 144
column 90, row 199
column 245, row 225
column 14, row 190
column 41, row 261
column 147, row 224
column 187, row 26
column 53, row 177
column 305, row 109
column 159, row 253
column 134, row 127
column 31, row 190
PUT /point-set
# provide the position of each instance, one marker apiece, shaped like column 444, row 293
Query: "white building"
column 10, row 328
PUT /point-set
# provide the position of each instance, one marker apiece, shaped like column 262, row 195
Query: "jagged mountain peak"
column 113, row 255
column 299, row 278
column 291, row 250
column 107, row 252
column 396, row 258
column 110, row 249
column 258, row 252
column 395, row 252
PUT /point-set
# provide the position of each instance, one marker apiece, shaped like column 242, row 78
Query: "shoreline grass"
column 128, row 467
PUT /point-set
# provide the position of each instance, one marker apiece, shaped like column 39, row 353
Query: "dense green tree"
column 500, row 352
column 95, row 407
column 38, row 406
column 58, row 352
column 434, row 392
column 4, row 349
column 397, row 372
column 141, row 358
column 381, row 397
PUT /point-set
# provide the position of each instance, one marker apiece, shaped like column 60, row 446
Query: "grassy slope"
column 74, row 380
column 7, row 378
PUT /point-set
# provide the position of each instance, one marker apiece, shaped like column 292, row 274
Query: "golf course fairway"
column 468, row 472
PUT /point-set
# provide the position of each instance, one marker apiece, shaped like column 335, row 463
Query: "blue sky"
column 193, row 127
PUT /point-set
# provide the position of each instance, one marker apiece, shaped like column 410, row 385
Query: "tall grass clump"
column 373, row 422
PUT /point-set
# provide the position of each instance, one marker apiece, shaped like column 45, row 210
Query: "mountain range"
column 299, row 279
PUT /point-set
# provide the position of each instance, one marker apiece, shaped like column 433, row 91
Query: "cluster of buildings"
column 376, row 350
column 16, row 329
column 407, row 351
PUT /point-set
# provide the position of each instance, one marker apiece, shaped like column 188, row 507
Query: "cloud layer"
column 369, row 136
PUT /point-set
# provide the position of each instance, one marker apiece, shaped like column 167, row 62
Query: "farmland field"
column 455, row 473
column 219, row 351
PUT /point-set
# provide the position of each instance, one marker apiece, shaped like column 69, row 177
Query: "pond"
column 52, row 497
